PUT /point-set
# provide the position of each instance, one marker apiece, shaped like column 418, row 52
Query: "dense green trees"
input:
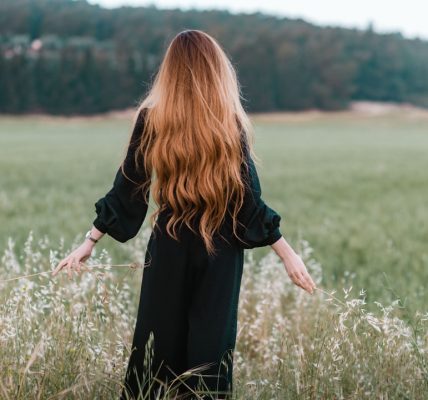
column 66, row 57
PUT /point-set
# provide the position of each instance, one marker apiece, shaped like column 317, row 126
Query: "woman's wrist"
column 93, row 236
column 89, row 243
column 284, row 251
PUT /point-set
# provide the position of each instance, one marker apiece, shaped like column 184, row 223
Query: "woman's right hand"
column 80, row 254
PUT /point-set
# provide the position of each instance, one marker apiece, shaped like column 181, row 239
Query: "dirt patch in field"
column 357, row 109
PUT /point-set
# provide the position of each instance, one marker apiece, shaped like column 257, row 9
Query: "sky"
column 407, row 17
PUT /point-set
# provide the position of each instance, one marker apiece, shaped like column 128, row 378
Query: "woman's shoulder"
column 139, row 122
column 141, row 114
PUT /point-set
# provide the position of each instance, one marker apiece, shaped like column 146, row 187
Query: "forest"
column 71, row 57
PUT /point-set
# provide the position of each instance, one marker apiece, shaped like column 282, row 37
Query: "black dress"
column 188, row 300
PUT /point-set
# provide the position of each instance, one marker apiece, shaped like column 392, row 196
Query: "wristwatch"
column 88, row 236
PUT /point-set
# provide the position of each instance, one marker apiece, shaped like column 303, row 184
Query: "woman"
column 192, row 143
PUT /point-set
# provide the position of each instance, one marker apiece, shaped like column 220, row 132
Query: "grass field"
column 355, row 187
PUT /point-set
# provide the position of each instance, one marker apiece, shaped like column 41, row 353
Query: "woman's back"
column 122, row 211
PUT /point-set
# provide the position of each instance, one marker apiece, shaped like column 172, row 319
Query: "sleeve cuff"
column 276, row 235
column 100, row 226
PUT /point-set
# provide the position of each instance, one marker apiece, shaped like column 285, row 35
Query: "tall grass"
column 70, row 339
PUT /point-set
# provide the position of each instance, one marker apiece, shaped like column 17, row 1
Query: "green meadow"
column 352, row 191
column 355, row 187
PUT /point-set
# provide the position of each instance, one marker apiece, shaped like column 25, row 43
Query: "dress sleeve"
column 260, row 223
column 121, row 212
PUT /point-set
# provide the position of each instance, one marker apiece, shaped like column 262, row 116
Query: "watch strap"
column 88, row 236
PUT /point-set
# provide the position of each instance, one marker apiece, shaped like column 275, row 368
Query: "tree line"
column 71, row 57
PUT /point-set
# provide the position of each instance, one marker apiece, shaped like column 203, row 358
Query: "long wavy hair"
column 194, row 124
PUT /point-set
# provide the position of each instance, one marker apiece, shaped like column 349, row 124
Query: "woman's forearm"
column 96, row 233
column 283, row 249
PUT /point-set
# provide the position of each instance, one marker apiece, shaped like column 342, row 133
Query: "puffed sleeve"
column 121, row 212
column 260, row 223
